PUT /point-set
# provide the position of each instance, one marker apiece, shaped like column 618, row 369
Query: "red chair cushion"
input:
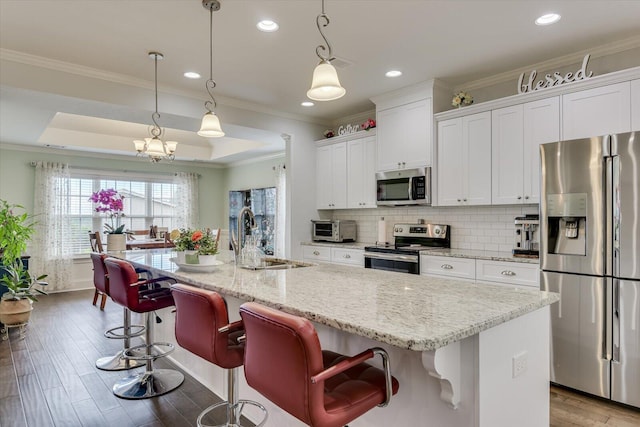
column 199, row 315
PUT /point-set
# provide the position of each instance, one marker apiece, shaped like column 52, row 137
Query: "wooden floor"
column 49, row 378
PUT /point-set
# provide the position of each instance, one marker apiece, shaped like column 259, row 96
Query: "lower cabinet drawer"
column 510, row 273
column 317, row 253
column 463, row 268
column 353, row 257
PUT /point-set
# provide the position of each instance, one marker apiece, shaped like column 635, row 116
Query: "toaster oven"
column 333, row 230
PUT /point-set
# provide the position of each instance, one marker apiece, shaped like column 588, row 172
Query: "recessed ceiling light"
column 267, row 26
column 307, row 104
column 393, row 73
column 548, row 19
column 192, row 75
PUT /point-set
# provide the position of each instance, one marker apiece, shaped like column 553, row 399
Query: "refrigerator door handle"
column 616, row 321
column 607, row 324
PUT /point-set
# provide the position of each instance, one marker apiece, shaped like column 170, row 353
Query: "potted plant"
column 15, row 305
column 183, row 244
column 111, row 203
column 15, row 231
column 207, row 248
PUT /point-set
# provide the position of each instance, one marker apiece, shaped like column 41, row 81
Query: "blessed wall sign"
column 555, row 79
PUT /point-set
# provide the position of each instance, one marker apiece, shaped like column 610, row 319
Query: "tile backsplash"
column 488, row 228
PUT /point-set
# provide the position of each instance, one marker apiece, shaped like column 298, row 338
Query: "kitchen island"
column 465, row 355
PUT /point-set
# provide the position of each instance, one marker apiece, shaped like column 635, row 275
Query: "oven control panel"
column 437, row 231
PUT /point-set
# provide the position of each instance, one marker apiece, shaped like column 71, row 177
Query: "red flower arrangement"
column 369, row 124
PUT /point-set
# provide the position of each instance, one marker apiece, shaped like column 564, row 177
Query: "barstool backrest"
column 100, row 278
column 282, row 353
column 199, row 315
column 121, row 276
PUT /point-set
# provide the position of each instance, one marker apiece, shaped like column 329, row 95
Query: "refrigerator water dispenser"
column 567, row 222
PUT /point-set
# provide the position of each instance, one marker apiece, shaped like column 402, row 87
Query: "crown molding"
column 81, row 70
column 596, row 52
column 279, row 155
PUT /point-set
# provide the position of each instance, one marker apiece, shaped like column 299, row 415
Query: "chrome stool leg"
column 118, row 362
column 152, row 382
column 233, row 405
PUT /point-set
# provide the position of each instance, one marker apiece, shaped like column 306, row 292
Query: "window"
column 146, row 203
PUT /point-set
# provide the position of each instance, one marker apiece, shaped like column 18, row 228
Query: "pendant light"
column 154, row 147
column 325, row 85
column 210, row 127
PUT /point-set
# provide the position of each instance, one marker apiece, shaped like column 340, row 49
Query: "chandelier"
column 154, row 147
column 325, row 85
column 210, row 127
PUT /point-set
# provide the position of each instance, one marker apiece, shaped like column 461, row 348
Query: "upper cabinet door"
column 594, row 112
column 541, row 125
column 476, row 134
column 361, row 173
column 507, row 155
column 450, row 162
column 404, row 136
column 635, row 105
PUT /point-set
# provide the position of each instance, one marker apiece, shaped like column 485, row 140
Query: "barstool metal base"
column 237, row 408
column 148, row 384
column 117, row 363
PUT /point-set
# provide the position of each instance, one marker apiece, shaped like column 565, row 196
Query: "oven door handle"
column 392, row 257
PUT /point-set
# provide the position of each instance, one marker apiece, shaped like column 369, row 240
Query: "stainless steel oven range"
column 410, row 240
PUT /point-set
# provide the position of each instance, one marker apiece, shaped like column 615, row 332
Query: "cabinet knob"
column 316, row 253
column 507, row 273
column 458, row 200
column 347, row 256
column 519, row 197
column 526, row 197
column 446, row 267
column 464, row 200
column 403, row 163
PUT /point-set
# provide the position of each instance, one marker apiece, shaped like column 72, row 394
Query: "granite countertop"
column 456, row 253
column 404, row 310
column 480, row 254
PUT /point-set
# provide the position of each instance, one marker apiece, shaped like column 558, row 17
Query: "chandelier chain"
column 210, row 84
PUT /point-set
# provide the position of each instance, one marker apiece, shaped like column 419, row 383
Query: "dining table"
column 149, row 243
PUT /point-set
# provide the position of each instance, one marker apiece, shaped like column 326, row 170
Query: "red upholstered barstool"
column 202, row 327
column 116, row 362
column 124, row 290
column 283, row 361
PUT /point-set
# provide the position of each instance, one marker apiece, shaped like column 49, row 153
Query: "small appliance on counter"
column 410, row 240
column 526, row 238
column 328, row 230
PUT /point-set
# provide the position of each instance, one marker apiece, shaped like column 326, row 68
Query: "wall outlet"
column 519, row 364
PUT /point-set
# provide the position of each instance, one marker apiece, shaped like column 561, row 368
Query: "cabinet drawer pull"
column 347, row 256
column 316, row 253
column 446, row 267
column 507, row 273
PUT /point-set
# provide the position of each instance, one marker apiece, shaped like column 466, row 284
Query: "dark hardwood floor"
column 50, row 379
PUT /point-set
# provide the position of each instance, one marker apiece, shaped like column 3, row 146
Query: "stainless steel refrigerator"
column 590, row 254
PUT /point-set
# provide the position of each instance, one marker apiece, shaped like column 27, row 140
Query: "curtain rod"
column 33, row 163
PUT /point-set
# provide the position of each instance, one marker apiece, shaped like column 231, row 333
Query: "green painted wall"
column 17, row 179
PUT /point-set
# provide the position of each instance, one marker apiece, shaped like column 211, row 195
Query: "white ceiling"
column 454, row 40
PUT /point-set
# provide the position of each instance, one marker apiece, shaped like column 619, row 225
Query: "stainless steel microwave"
column 404, row 187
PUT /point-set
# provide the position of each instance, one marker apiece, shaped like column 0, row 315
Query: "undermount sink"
column 276, row 264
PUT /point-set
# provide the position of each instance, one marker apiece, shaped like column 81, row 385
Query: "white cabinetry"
column 595, row 112
column 331, row 176
column 347, row 256
column 361, row 173
column 509, row 273
column 461, row 268
column 517, row 133
column 635, row 105
column 404, row 136
column 464, row 160
column 481, row 270
column 333, row 255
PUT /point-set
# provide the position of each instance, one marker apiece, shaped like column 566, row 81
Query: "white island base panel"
column 497, row 378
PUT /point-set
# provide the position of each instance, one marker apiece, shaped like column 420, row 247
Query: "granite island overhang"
column 471, row 337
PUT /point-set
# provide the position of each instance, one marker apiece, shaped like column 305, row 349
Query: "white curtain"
column 187, row 199
column 281, row 210
column 50, row 253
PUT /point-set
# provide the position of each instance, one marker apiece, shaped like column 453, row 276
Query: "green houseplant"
column 16, row 228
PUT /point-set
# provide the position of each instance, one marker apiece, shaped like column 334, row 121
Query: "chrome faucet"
column 237, row 241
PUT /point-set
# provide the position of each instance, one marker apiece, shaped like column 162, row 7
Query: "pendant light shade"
column 153, row 147
column 325, row 85
column 210, row 127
